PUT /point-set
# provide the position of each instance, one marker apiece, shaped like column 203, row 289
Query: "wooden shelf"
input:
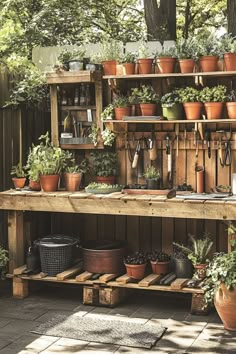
column 81, row 146
column 184, row 121
column 177, row 75
column 73, row 77
column 76, row 108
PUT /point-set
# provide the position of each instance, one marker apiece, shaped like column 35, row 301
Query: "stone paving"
column 185, row 333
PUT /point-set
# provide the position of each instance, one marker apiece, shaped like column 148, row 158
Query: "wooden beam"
column 54, row 115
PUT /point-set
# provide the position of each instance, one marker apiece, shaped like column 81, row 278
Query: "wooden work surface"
column 117, row 204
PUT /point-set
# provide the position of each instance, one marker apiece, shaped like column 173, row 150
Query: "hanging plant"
column 94, row 135
column 108, row 137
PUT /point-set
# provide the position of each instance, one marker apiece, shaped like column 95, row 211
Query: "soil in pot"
column 213, row 110
column 225, row 304
column 49, row 183
column 193, row 110
column 19, row 182
column 109, row 67
column 148, row 109
column 120, row 112
column 72, row 181
column 136, row 271
column 145, row 66
column 160, row 267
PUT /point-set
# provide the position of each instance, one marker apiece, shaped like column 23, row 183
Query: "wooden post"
column 54, row 114
column 20, row 288
column 15, row 239
column 98, row 100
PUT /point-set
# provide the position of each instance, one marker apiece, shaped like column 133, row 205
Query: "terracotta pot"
column 145, row 66
column 19, row 182
column 230, row 61
column 106, row 179
column 192, row 110
column 225, row 304
column 72, row 181
column 208, row 63
column 148, row 109
column 136, row 271
column 166, row 65
column 128, row 68
column 109, row 67
column 34, row 185
column 120, row 112
column 186, row 65
column 119, row 69
column 200, row 270
column 231, row 109
column 49, row 183
column 213, row 109
column 160, row 267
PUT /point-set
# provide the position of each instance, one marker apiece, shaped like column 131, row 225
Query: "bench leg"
column 20, row 288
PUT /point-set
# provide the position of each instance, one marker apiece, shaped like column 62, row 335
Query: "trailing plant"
column 104, row 163
column 158, row 256
column 187, row 48
column 94, row 135
column 120, row 102
column 129, row 57
column 152, row 173
column 3, row 262
column 19, row 171
column 189, row 94
column 170, row 99
column 135, row 258
column 108, row 137
column 231, row 230
column 222, row 269
column 144, row 94
column 213, row 94
column 108, row 112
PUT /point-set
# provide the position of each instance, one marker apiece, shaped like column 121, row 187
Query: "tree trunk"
column 231, row 15
column 160, row 20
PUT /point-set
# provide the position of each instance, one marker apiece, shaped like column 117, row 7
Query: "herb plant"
column 104, row 163
column 108, row 112
column 158, row 256
column 231, row 97
column 19, row 171
column 82, row 167
column 108, row 137
column 120, row 101
column 166, row 52
column 152, row 173
column 213, row 94
column 170, row 99
column 128, row 57
column 187, row 48
column 189, row 94
column 135, row 258
column 144, row 94
column 3, row 262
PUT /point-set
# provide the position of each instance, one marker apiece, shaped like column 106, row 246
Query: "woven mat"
column 123, row 333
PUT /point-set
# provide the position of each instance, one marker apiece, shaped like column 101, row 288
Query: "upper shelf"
column 73, row 77
column 158, row 75
column 163, row 121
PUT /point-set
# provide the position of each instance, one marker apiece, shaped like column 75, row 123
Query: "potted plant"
column 72, row 60
column 198, row 252
column 105, row 166
column 213, row 98
column 190, row 97
column 73, row 174
column 208, row 52
column 152, row 176
column 166, row 60
column 183, row 268
column 147, row 98
column 135, row 265
column 186, row 50
column 19, row 173
column 108, row 137
column 128, row 61
column 172, row 108
column 231, row 104
column 121, row 107
column 144, row 60
column 160, row 262
column 227, row 46
column 111, row 52
column 3, row 262
column 220, row 287
column 32, row 168
column 108, row 112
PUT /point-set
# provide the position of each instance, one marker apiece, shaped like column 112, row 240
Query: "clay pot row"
column 213, row 110
column 137, row 271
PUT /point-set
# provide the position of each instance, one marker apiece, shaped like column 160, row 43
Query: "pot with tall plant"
column 104, row 164
column 19, row 174
column 147, row 98
column 186, row 50
column 208, row 52
column 190, row 97
column 128, row 61
column 152, row 176
column 213, row 99
column 73, row 174
column 227, row 44
column 166, row 60
column 72, row 60
column 172, row 108
column 110, row 54
column 145, row 62
column 121, row 107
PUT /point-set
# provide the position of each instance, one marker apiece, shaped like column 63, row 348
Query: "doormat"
column 124, row 333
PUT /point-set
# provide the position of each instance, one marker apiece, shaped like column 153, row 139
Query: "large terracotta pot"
column 160, row 267
column 19, row 182
column 136, row 271
column 72, row 181
column 192, row 110
column 213, row 109
column 145, row 66
column 109, row 67
column 208, row 63
column 34, row 185
column 230, row 61
column 106, row 179
column 148, row 109
column 49, row 183
column 166, row 65
column 225, row 304
column 128, row 68
column 231, row 109
column 120, row 112
column 186, row 65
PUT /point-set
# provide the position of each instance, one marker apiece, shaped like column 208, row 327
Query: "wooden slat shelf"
column 81, row 146
column 163, row 121
column 76, row 108
column 73, row 77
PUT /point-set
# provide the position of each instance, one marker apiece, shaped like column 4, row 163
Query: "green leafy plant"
column 143, row 51
column 3, row 262
column 189, row 94
column 152, row 173
column 227, row 44
column 94, row 135
column 231, row 97
column 108, row 137
column 128, row 57
column 65, row 56
column 104, row 163
column 95, row 185
column 158, row 256
column 231, row 230
column 108, row 112
column 144, row 94
column 19, row 171
column 199, row 250
column 208, row 45
column 111, row 50
column 166, row 52
column 187, row 48
column 222, row 269
column 135, row 258
column 170, row 99
column 73, row 167
column 213, row 94
column 120, row 101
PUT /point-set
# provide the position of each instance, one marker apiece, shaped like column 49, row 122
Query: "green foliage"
column 73, row 167
column 108, row 137
column 111, row 50
column 120, row 102
column 3, row 262
column 19, row 171
column 166, row 52
column 94, row 135
column 227, row 44
column 222, row 269
column 187, row 48
column 95, row 185
column 108, row 112
column 231, row 97
column 128, row 57
column 213, row 94
column 65, row 56
column 189, row 94
column 158, row 256
column 208, row 46
column 151, row 173
column 104, row 163
column 144, row 94
column 143, row 52
column 135, row 258
column 170, row 99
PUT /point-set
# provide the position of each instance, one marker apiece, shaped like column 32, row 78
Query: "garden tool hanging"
column 136, row 155
column 169, row 158
column 152, row 151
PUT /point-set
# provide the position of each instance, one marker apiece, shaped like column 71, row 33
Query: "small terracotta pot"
column 109, row 67
column 192, row 110
column 19, row 182
column 230, row 61
column 213, row 109
column 34, row 185
column 200, row 172
column 148, row 109
column 208, row 63
column 200, row 270
column 186, row 65
column 225, row 304
column 145, row 66
column 49, row 183
column 120, row 112
column 231, row 109
column 106, row 179
column 160, row 267
column 166, row 65
column 128, row 68
column 72, row 181
column 136, row 271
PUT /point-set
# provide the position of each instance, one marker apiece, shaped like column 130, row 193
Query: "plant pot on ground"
column 231, row 104
column 152, row 176
column 147, row 98
column 135, row 265
column 190, row 97
column 121, row 107
column 144, row 61
column 160, row 262
column 105, row 166
column 3, row 263
column 213, row 99
column 166, row 60
column 73, row 175
column 19, row 175
column 172, row 109
column 187, row 54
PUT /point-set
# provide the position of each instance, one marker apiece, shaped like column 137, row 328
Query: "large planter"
column 166, row 65
column 148, row 109
column 173, row 113
column 34, row 185
column 136, row 271
column 120, row 112
column 231, row 109
column 49, row 183
column 109, row 67
column 128, row 68
column 208, row 63
column 106, row 179
column 160, row 267
column 213, row 109
column 225, row 304
column 230, row 61
column 72, row 181
column 145, row 66
column 19, row 182
column 192, row 110
column 186, row 65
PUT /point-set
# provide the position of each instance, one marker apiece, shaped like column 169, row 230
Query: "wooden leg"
column 20, row 288
column 198, row 305
column 15, row 239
